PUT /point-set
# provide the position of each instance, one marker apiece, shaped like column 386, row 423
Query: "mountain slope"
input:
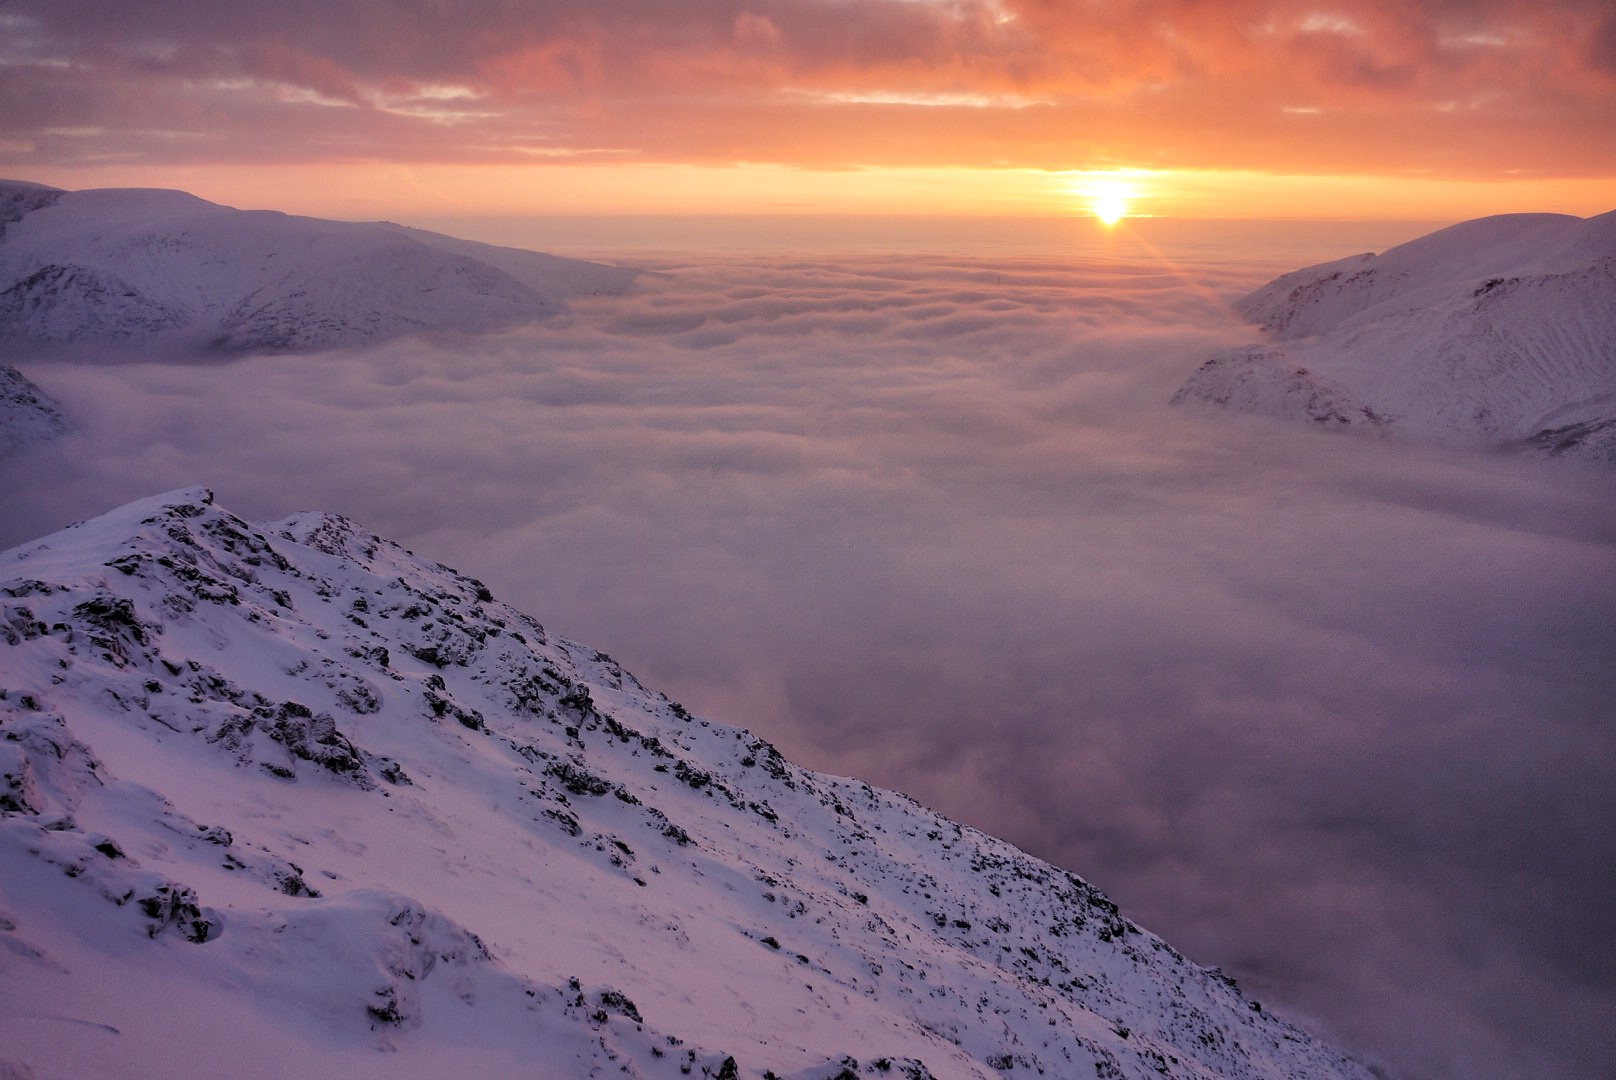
column 19, row 198
column 137, row 268
column 1500, row 330
column 288, row 793
column 27, row 415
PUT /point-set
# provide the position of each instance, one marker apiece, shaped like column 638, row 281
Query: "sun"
column 1108, row 200
column 1108, row 194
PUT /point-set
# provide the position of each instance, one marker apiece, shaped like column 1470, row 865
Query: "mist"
column 1330, row 712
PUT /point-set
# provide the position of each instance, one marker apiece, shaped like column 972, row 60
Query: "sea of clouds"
column 1334, row 713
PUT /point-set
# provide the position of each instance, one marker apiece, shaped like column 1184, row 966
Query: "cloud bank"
column 1332, row 713
column 1456, row 87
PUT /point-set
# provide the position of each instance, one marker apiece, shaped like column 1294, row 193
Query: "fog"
column 1331, row 712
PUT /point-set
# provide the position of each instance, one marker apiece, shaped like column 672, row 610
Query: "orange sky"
column 1244, row 108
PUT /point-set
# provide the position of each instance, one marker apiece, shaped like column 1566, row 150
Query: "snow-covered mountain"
column 27, row 414
column 143, row 267
column 285, row 798
column 19, row 198
column 1500, row 330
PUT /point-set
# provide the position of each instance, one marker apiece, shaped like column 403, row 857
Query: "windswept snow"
column 1500, row 331
column 285, row 793
column 143, row 268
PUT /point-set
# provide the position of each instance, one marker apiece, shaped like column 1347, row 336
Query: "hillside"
column 133, row 270
column 285, row 793
column 1499, row 331
column 27, row 414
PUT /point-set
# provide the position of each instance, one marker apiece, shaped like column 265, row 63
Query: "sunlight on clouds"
column 277, row 90
column 436, row 114
column 292, row 94
column 813, row 86
column 1480, row 40
column 995, row 9
column 1330, row 24
column 558, row 152
column 445, row 92
column 921, row 98
column 564, row 179
column 439, row 103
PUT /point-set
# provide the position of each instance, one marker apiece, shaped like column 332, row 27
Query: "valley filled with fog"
column 1330, row 711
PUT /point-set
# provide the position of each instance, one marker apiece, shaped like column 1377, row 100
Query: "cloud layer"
column 1452, row 87
column 1332, row 713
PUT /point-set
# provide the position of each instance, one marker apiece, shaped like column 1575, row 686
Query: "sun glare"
column 1109, row 195
column 1108, row 200
column 1110, row 209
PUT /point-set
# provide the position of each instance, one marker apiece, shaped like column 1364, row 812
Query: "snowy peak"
column 311, row 789
column 1499, row 331
column 1424, row 271
column 146, row 267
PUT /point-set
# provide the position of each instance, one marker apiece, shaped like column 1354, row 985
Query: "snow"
column 1499, row 331
column 285, row 793
column 27, row 414
column 147, row 268
column 18, row 198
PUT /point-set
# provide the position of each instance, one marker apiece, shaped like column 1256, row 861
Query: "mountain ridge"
column 138, row 269
column 1499, row 331
column 301, row 785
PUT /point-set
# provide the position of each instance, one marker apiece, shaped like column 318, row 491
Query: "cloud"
column 1332, row 713
column 1451, row 87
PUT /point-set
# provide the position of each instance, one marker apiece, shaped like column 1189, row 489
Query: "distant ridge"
column 284, row 798
column 137, row 269
column 1499, row 331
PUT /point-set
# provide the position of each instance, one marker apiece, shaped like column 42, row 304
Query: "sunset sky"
column 909, row 497
column 1239, row 108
